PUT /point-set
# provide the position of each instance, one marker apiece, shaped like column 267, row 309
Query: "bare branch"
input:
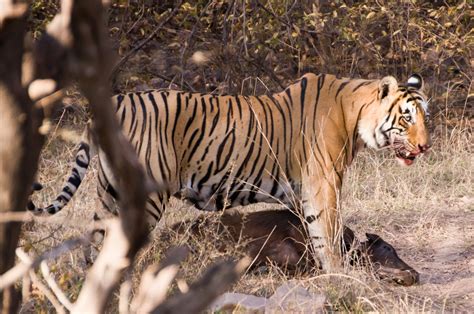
column 156, row 280
column 54, row 286
column 25, row 288
column 48, row 103
column 125, row 293
column 106, row 271
column 15, row 273
column 48, row 294
column 15, row 216
column 11, row 10
column 215, row 281
column 93, row 61
column 37, row 282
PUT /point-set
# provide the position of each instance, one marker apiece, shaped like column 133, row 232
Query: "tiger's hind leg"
column 91, row 250
column 108, row 203
column 109, row 197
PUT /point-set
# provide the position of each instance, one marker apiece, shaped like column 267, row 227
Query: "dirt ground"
column 444, row 257
column 446, row 261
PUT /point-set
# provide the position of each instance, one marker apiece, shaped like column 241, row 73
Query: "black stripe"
column 360, row 85
column 310, row 219
column 341, row 87
column 276, row 177
column 162, row 155
column 304, row 83
column 191, row 118
column 239, row 105
column 216, row 118
column 221, row 147
column 228, row 120
column 134, row 112
column 167, row 116
column 206, row 176
column 203, row 130
column 67, row 190
column 111, row 191
column 144, row 123
column 206, row 151
column 321, row 80
column 177, row 113
column 76, row 181
column 280, row 109
column 119, row 100
column 156, row 110
column 148, row 149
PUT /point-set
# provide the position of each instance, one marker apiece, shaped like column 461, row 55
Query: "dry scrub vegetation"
column 426, row 211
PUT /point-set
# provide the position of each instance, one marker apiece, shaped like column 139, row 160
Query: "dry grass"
column 426, row 211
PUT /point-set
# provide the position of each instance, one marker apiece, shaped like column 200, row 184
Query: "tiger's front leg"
column 319, row 197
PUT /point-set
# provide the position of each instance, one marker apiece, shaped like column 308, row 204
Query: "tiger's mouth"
column 405, row 157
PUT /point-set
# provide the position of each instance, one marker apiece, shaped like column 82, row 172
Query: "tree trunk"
column 20, row 142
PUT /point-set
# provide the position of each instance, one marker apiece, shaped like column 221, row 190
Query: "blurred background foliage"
column 253, row 46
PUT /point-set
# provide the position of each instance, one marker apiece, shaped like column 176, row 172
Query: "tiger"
column 290, row 147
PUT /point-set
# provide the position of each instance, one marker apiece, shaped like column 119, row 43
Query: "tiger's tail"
column 73, row 182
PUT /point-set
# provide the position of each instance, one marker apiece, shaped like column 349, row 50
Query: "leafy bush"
column 252, row 46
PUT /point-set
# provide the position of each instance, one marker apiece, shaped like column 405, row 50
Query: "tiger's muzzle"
column 407, row 156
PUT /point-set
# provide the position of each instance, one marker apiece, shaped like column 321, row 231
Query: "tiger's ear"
column 387, row 86
column 415, row 81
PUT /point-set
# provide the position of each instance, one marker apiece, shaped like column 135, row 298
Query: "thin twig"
column 47, row 293
column 37, row 282
column 25, row 288
column 183, row 85
column 263, row 68
column 117, row 67
column 48, row 236
column 304, row 29
column 15, row 273
column 54, row 286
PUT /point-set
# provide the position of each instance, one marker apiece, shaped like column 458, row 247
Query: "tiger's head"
column 397, row 119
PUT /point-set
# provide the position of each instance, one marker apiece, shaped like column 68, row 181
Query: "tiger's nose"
column 424, row 148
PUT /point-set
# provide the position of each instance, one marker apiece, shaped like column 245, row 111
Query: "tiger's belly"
column 212, row 197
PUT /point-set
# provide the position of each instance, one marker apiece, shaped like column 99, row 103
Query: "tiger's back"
column 217, row 151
